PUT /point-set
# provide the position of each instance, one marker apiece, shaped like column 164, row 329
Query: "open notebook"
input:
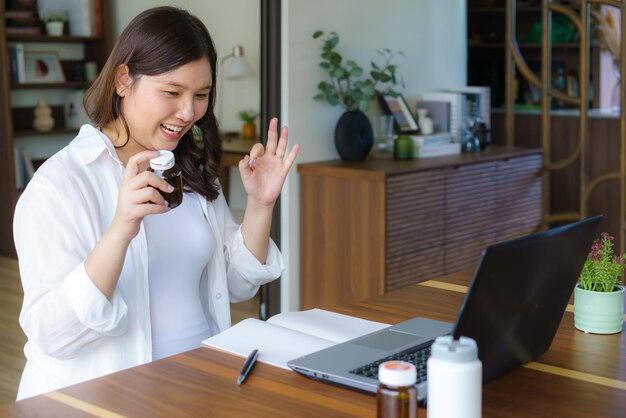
column 289, row 335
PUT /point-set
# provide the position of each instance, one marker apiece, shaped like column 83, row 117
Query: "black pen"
column 247, row 366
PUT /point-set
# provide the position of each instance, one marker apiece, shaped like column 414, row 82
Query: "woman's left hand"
column 263, row 172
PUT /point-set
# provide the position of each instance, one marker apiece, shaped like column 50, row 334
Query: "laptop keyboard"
column 416, row 356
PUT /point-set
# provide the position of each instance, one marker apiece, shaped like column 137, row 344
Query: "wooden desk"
column 581, row 375
column 233, row 150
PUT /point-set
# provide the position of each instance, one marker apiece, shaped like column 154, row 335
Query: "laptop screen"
column 520, row 291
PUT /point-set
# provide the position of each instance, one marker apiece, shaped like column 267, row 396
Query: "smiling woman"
column 121, row 277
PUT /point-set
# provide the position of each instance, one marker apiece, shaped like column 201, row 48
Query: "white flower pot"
column 599, row 312
column 54, row 28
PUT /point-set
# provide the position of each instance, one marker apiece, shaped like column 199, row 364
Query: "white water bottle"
column 454, row 376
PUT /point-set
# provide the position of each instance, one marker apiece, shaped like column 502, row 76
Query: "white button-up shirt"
column 74, row 332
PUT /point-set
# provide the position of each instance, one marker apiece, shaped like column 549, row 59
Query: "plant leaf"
column 356, row 72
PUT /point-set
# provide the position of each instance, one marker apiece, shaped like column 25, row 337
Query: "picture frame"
column 404, row 121
column 43, row 67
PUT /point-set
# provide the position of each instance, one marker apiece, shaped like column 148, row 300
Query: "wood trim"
column 82, row 405
column 573, row 374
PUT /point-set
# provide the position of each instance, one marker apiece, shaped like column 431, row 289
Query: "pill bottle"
column 165, row 167
column 396, row 395
column 454, row 376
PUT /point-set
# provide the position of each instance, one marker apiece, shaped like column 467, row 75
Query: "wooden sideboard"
column 374, row 226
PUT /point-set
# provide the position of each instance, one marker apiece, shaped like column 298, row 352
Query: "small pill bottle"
column 165, row 167
column 397, row 394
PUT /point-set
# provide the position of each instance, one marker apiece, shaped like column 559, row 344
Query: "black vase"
column 353, row 136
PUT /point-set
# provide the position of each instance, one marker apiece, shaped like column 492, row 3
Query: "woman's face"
column 160, row 109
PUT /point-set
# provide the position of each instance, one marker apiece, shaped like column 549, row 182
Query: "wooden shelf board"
column 67, row 84
column 60, row 131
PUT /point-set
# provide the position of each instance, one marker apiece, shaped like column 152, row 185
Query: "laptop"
column 512, row 310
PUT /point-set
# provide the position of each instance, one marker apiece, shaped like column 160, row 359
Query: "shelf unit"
column 16, row 119
column 486, row 23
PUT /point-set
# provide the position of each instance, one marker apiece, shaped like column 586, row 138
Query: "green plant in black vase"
column 347, row 86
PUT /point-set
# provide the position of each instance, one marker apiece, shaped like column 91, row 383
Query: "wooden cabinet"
column 378, row 225
column 18, row 101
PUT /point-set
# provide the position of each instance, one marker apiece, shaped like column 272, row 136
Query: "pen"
column 247, row 366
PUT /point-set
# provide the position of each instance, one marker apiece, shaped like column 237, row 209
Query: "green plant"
column 345, row 87
column 248, row 116
column 602, row 271
column 54, row 17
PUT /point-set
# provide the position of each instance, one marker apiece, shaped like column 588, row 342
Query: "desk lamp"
column 237, row 68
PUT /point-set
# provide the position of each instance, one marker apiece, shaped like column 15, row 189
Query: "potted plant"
column 248, row 129
column 348, row 88
column 599, row 295
column 55, row 23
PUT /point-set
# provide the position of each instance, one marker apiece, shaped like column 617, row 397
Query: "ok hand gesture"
column 263, row 172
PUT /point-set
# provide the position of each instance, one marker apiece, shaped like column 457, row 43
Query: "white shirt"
column 74, row 332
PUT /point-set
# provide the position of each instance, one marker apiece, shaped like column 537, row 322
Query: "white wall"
column 432, row 35
column 230, row 23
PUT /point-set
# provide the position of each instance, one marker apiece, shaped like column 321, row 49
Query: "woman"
column 112, row 278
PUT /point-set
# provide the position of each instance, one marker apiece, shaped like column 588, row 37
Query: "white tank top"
column 180, row 244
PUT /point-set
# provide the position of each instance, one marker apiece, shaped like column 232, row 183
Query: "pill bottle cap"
column 447, row 348
column 164, row 161
column 397, row 373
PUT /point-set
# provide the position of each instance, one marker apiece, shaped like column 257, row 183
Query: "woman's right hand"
column 138, row 197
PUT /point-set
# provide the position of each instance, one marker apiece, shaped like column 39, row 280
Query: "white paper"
column 290, row 335
column 325, row 324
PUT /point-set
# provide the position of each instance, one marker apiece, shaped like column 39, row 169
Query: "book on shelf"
column 19, row 14
column 24, row 167
column 29, row 167
column 438, row 150
column 21, row 66
column 431, row 139
column 23, row 30
column 13, row 64
column 289, row 335
column 20, row 170
column 16, row 58
column 21, row 18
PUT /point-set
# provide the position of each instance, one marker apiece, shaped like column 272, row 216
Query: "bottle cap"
column 447, row 348
column 164, row 161
column 397, row 373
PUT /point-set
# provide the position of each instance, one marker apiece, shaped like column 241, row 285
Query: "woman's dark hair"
column 155, row 42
